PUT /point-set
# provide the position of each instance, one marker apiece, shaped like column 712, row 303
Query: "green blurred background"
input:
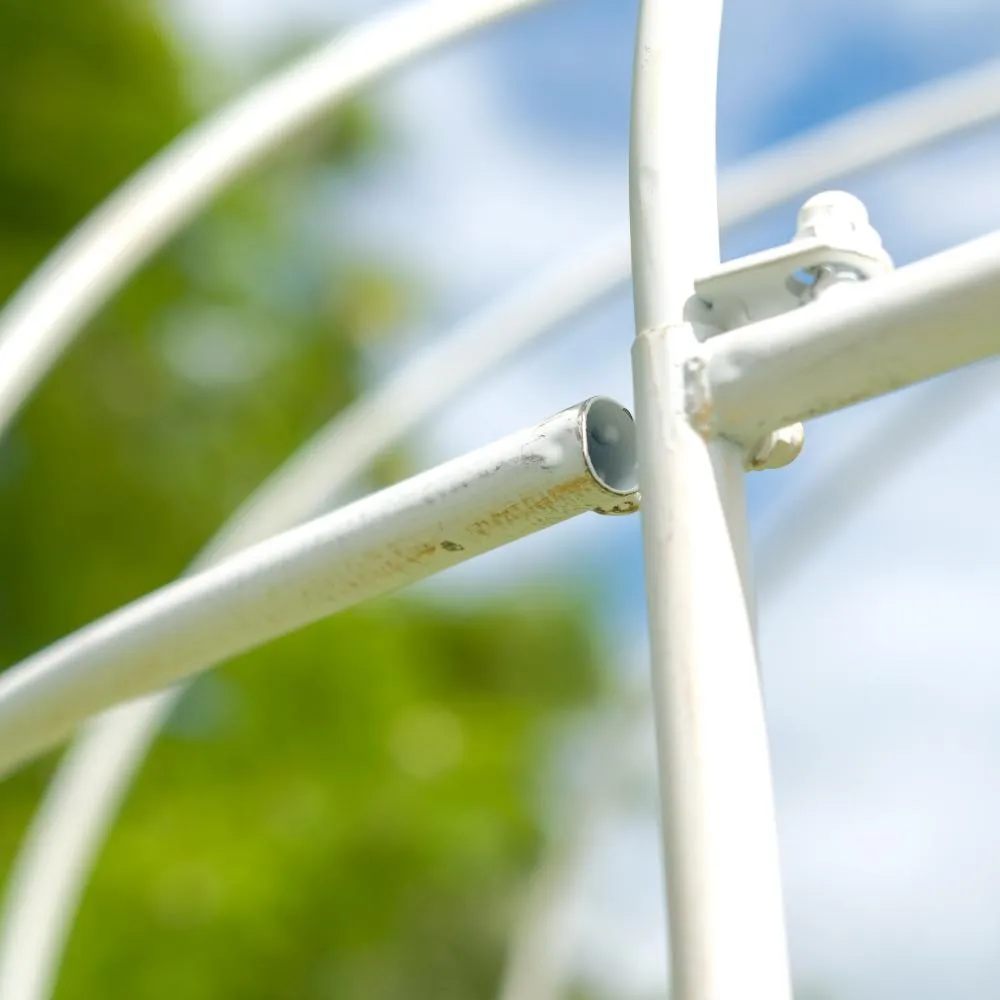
column 354, row 811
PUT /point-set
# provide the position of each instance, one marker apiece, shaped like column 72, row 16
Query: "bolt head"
column 778, row 449
column 837, row 218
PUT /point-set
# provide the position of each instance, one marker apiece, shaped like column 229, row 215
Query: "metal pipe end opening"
column 607, row 430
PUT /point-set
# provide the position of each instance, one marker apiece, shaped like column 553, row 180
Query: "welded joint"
column 774, row 451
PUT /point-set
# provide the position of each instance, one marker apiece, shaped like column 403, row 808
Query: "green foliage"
column 341, row 814
column 346, row 812
column 89, row 90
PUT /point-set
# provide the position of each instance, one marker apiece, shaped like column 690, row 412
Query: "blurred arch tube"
column 63, row 841
column 581, row 459
column 122, row 233
column 47, row 880
column 117, row 238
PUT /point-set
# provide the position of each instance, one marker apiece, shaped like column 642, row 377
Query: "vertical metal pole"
column 720, row 845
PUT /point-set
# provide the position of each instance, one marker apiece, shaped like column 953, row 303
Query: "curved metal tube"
column 91, row 264
column 51, row 870
column 719, row 834
column 869, row 136
column 84, row 271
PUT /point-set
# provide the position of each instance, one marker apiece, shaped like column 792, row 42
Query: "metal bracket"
column 778, row 280
column 834, row 244
column 833, row 236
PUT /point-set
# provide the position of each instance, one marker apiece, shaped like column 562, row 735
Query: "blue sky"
column 881, row 657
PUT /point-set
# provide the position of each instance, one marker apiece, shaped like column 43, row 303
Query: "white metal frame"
column 79, row 807
column 931, row 317
column 703, row 398
column 581, row 459
column 87, row 268
column 719, row 836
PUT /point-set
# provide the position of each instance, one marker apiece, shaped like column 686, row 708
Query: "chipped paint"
column 698, row 394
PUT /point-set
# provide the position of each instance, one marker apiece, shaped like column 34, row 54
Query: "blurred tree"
column 347, row 812
column 341, row 815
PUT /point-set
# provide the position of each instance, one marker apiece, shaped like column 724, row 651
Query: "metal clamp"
column 835, row 245
column 833, row 236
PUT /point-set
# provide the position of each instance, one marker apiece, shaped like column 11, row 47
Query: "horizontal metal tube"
column 581, row 459
column 930, row 317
